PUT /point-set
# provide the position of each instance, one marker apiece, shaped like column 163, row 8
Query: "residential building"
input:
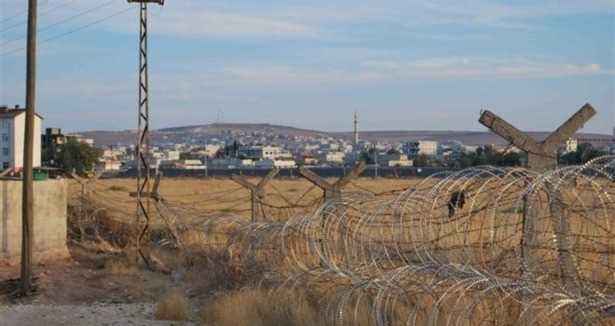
column 334, row 157
column 571, row 145
column 420, row 147
column 280, row 164
column 211, row 150
column 395, row 160
column 51, row 140
column 172, row 155
column 263, row 152
column 12, row 129
column 190, row 165
column 82, row 139
column 229, row 163
column 111, row 165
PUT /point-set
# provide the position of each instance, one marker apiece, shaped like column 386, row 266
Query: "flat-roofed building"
column 12, row 130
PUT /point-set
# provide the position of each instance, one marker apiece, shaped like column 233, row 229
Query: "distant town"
column 263, row 148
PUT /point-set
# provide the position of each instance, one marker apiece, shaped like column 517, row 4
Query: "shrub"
column 117, row 188
column 261, row 308
column 173, row 306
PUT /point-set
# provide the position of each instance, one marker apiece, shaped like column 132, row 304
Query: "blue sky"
column 402, row 64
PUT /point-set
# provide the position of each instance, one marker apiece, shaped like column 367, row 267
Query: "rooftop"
column 6, row 112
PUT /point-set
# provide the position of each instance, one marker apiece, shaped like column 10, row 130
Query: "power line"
column 21, row 12
column 63, row 21
column 78, row 29
column 52, row 9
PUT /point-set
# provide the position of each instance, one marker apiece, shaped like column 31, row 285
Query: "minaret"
column 356, row 129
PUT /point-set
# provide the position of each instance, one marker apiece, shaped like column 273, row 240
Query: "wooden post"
column 257, row 192
column 28, row 192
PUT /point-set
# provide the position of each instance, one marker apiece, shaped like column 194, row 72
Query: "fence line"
column 543, row 244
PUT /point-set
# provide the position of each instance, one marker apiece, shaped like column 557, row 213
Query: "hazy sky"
column 402, row 64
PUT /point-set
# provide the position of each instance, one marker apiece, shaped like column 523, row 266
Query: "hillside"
column 103, row 138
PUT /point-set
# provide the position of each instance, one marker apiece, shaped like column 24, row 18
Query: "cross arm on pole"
column 268, row 178
column 243, row 182
column 510, row 133
column 159, row 2
column 568, row 128
column 355, row 173
column 315, row 178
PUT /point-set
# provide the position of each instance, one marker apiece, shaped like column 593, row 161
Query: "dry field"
column 521, row 249
column 225, row 197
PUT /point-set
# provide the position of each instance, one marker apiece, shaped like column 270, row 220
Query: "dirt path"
column 95, row 315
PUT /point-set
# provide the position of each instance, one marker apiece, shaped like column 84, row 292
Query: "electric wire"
column 41, row 14
column 75, row 30
column 63, row 21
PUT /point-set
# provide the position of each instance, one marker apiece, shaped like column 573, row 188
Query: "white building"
column 334, row 157
column 230, row 163
column 571, row 145
column 111, row 165
column 428, row 147
column 190, row 165
column 12, row 128
column 211, row 150
column 264, row 152
column 83, row 140
column 281, row 164
column 421, row 147
column 172, row 155
column 395, row 160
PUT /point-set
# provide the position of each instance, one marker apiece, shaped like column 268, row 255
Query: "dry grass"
column 283, row 307
column 216, row 196
column 261, row 308
column 116, row 266
column 173, row 306
column 246, row 265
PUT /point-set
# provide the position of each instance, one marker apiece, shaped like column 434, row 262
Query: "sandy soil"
column 69, row 315
column 81, row 291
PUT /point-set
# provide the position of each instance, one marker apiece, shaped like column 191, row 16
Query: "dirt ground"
column 81, row 290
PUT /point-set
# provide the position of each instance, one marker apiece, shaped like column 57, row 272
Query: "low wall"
column 50, row 220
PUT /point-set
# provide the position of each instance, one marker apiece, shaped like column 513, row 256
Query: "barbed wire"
column 523, row 247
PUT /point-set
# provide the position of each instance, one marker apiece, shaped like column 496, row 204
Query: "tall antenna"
column 356, row 129
column 143, row 136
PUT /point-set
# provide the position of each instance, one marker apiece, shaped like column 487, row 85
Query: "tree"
column 585, row 152
column 486, row 155
column 368, row 156
column 78, row 156
column 421, row 160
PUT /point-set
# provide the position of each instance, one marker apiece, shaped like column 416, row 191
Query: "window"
column 6, row 123
column 5, row 137
column 5, row 165
column 5, row 151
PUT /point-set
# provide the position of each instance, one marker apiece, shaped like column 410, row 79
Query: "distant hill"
column 104, row 138
column 217, row 128
column 474, row 138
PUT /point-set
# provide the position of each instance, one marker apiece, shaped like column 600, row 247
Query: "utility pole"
column 143, row 138
column 28, row 193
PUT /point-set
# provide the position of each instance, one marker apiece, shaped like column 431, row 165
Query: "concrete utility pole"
column 542, row 157
column 143, row 139
column 28, row 193
column 257, row 192
column 332, row 191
